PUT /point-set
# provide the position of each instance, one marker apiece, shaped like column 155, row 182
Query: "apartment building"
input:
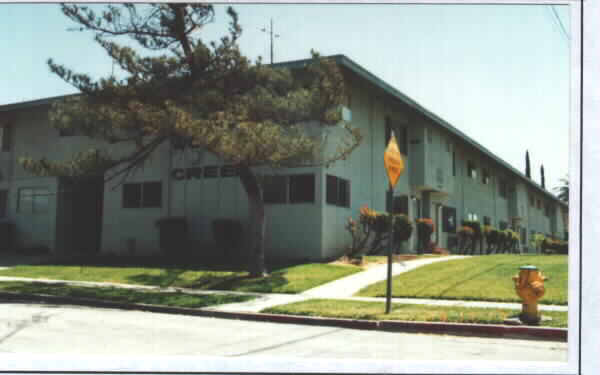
column 449, row 177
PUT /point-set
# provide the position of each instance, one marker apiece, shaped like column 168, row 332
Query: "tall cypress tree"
column 527, row 165
column 182, row 90
column 543, row 177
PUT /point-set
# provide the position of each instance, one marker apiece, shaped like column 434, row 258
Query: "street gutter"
column 460, row 329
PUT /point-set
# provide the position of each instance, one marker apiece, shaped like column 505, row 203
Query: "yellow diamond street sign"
column 393, row 161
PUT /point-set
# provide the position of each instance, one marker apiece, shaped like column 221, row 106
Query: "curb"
column 461, row 329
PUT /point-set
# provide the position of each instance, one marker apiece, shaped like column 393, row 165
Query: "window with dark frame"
column 211, row 171
column 338, row 191
column 142, row 195
column 302, row 188
column 3, row 202
column 503, row 189
column 388, row 131
column 539, row 204
column 454, row 163
column 531, row 200
column 487, row 220
column 229, row 171
column 151, row 194
column 471, row 170
column 275, row 189
column 403, row 141
column 503, row 225
column 485, row 177
column 6, row 135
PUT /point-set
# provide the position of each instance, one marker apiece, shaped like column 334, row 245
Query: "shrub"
column 372, row 229
column 227, row 233
column 425, row 228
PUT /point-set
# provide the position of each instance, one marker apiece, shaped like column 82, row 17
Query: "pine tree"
column 527, row 165
column 543, row 177
column 189, row 92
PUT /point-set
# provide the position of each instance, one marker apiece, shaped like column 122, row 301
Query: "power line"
column 560, row 24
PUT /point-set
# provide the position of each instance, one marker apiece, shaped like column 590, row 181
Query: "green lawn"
column 483, row 278
column 293, row 279
column 123, row 295
column 376, row 311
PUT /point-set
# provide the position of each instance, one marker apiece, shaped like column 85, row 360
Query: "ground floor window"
column 298, row 188
column 338, row 191
column 142, row 195
column 33, row 200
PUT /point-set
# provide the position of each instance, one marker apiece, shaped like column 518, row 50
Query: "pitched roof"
column 387, row 88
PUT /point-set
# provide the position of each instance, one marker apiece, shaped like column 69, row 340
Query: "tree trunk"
column 256, row 215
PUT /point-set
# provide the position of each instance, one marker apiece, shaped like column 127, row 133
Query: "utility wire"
column 558, row 21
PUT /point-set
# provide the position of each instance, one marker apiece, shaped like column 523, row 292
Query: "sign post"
column 394, row 167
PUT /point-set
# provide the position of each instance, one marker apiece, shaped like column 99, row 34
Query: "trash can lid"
column 530, row 267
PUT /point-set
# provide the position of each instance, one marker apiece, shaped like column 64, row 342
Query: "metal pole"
column 271, row 41
column 388, row 298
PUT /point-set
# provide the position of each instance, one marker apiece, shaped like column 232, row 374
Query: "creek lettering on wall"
column 180, row 174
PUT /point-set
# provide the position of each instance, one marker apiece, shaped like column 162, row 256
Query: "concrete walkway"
column 342, row 289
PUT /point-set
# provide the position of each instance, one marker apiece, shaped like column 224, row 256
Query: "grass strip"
column 112, row 294
column 347, row 309
column 481, row 278
column 293, row 279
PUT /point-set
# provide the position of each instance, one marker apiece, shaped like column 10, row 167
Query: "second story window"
column 503, row 189
column 485, row 177
column 471, row 170
column 388, row 131
column 6, row 138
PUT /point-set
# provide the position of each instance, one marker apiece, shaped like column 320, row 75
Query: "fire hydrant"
column 529, row 285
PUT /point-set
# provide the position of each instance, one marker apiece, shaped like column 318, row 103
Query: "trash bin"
column 173, row 234
column 7, row 236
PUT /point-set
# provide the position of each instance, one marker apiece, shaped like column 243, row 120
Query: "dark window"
column 6, row 135
column 539, row 204
column 503, row 189
column 453, row 163
column 3, row 202
column 429, row 136
column 302, row 188
column 275, row 189
column 332, row 189
column 401, row 205
column 388, row 131
column 449, row 219
column 486, row 220
column 132, row 195
column 142, row 195
column 229, row 171
column 486, row 177
column 211, row 171
column 151, row 194
column 338, row 191
column 403, row 142
column 531, row 200
column 523, row 236
column 66, row 132
column 503, row 225
column 471, row 170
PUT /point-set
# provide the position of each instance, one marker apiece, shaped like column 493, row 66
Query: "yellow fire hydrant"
column 529, row 285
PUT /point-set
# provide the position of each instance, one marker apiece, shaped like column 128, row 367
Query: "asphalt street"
column 42, row 329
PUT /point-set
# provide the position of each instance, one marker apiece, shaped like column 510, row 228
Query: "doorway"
column 79, row 215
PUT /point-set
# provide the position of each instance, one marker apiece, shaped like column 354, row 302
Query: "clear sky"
column 499, row 73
